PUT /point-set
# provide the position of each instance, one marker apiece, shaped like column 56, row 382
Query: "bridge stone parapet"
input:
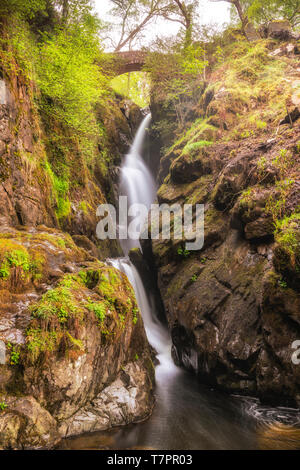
column 129, row 61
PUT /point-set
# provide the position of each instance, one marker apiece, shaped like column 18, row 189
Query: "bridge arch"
column 129, row 61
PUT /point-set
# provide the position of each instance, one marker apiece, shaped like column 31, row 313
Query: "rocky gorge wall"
column 233, row 308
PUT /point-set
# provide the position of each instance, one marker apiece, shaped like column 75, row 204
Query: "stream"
column 187, row 415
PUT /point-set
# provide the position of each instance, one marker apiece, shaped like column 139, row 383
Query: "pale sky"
column 217, row 13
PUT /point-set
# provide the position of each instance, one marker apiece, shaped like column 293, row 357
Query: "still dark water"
column 189, row 416
column 186, row 416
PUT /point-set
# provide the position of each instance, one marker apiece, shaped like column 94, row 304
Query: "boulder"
column 24, row 424
column 251, row 33
column 281, row 30
column 260, row 228
column 122, row 402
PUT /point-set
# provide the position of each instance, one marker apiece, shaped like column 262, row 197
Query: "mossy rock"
column 287, row 249
column 190, row 165
column 249, row 214
column 216, row 225
column 98, row 294
column 189, row 193
column 19, row 266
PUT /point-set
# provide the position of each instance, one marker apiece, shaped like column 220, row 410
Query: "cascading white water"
column 137, row 182
column 138, row 185
column 157, row 334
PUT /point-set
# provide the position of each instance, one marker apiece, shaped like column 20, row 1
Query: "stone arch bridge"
column 128, row 61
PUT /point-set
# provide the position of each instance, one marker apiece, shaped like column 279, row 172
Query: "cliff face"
column 24, row 190
column 233, row 307
column 73, row 351
column 31, row 193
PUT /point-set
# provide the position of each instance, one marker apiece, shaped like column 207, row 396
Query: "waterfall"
column 137, row 183
column 157, row 334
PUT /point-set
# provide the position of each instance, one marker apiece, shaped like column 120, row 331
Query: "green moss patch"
column 287, row 250
column 17, row 265
column 99, row 294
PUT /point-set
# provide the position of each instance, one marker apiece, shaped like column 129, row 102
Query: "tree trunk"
column 187, row 15
column 133, row 33
column 65, row 10
column 243, row 17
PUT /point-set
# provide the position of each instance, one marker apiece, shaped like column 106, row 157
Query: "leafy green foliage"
column 99, row 309
column 54, row 317
column 14, row 354
column 135, row 312
column 195, row 138
column 191, row 147
column 183, row 252
column 58, row 304
column 3, row 405
column 14, row 256
column 40, row 341
column 287, row 234
column 60, row 189
column 253, row 85
column 284, row 161
column 263, row 11
column 18, row 49
column 134, row 86
column 177, row 74
column 282, row 284
column 276, row 202
column 23, row 8
column 65, row 60
column 69, row 78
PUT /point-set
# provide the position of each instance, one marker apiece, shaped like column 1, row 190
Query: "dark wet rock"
column 136, row 257
column 260, row 228
column 23, row 201
column 24, row 424
column 133, row 114
column 280, row 30
column 291, row 117
column 186, row 169
column 84, row 242
column 233, row 307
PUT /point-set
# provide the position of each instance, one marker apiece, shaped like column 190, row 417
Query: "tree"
column 72, row 10
column 264, row 11
column 182, row 12
column 135, row 15
column 177, row 77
